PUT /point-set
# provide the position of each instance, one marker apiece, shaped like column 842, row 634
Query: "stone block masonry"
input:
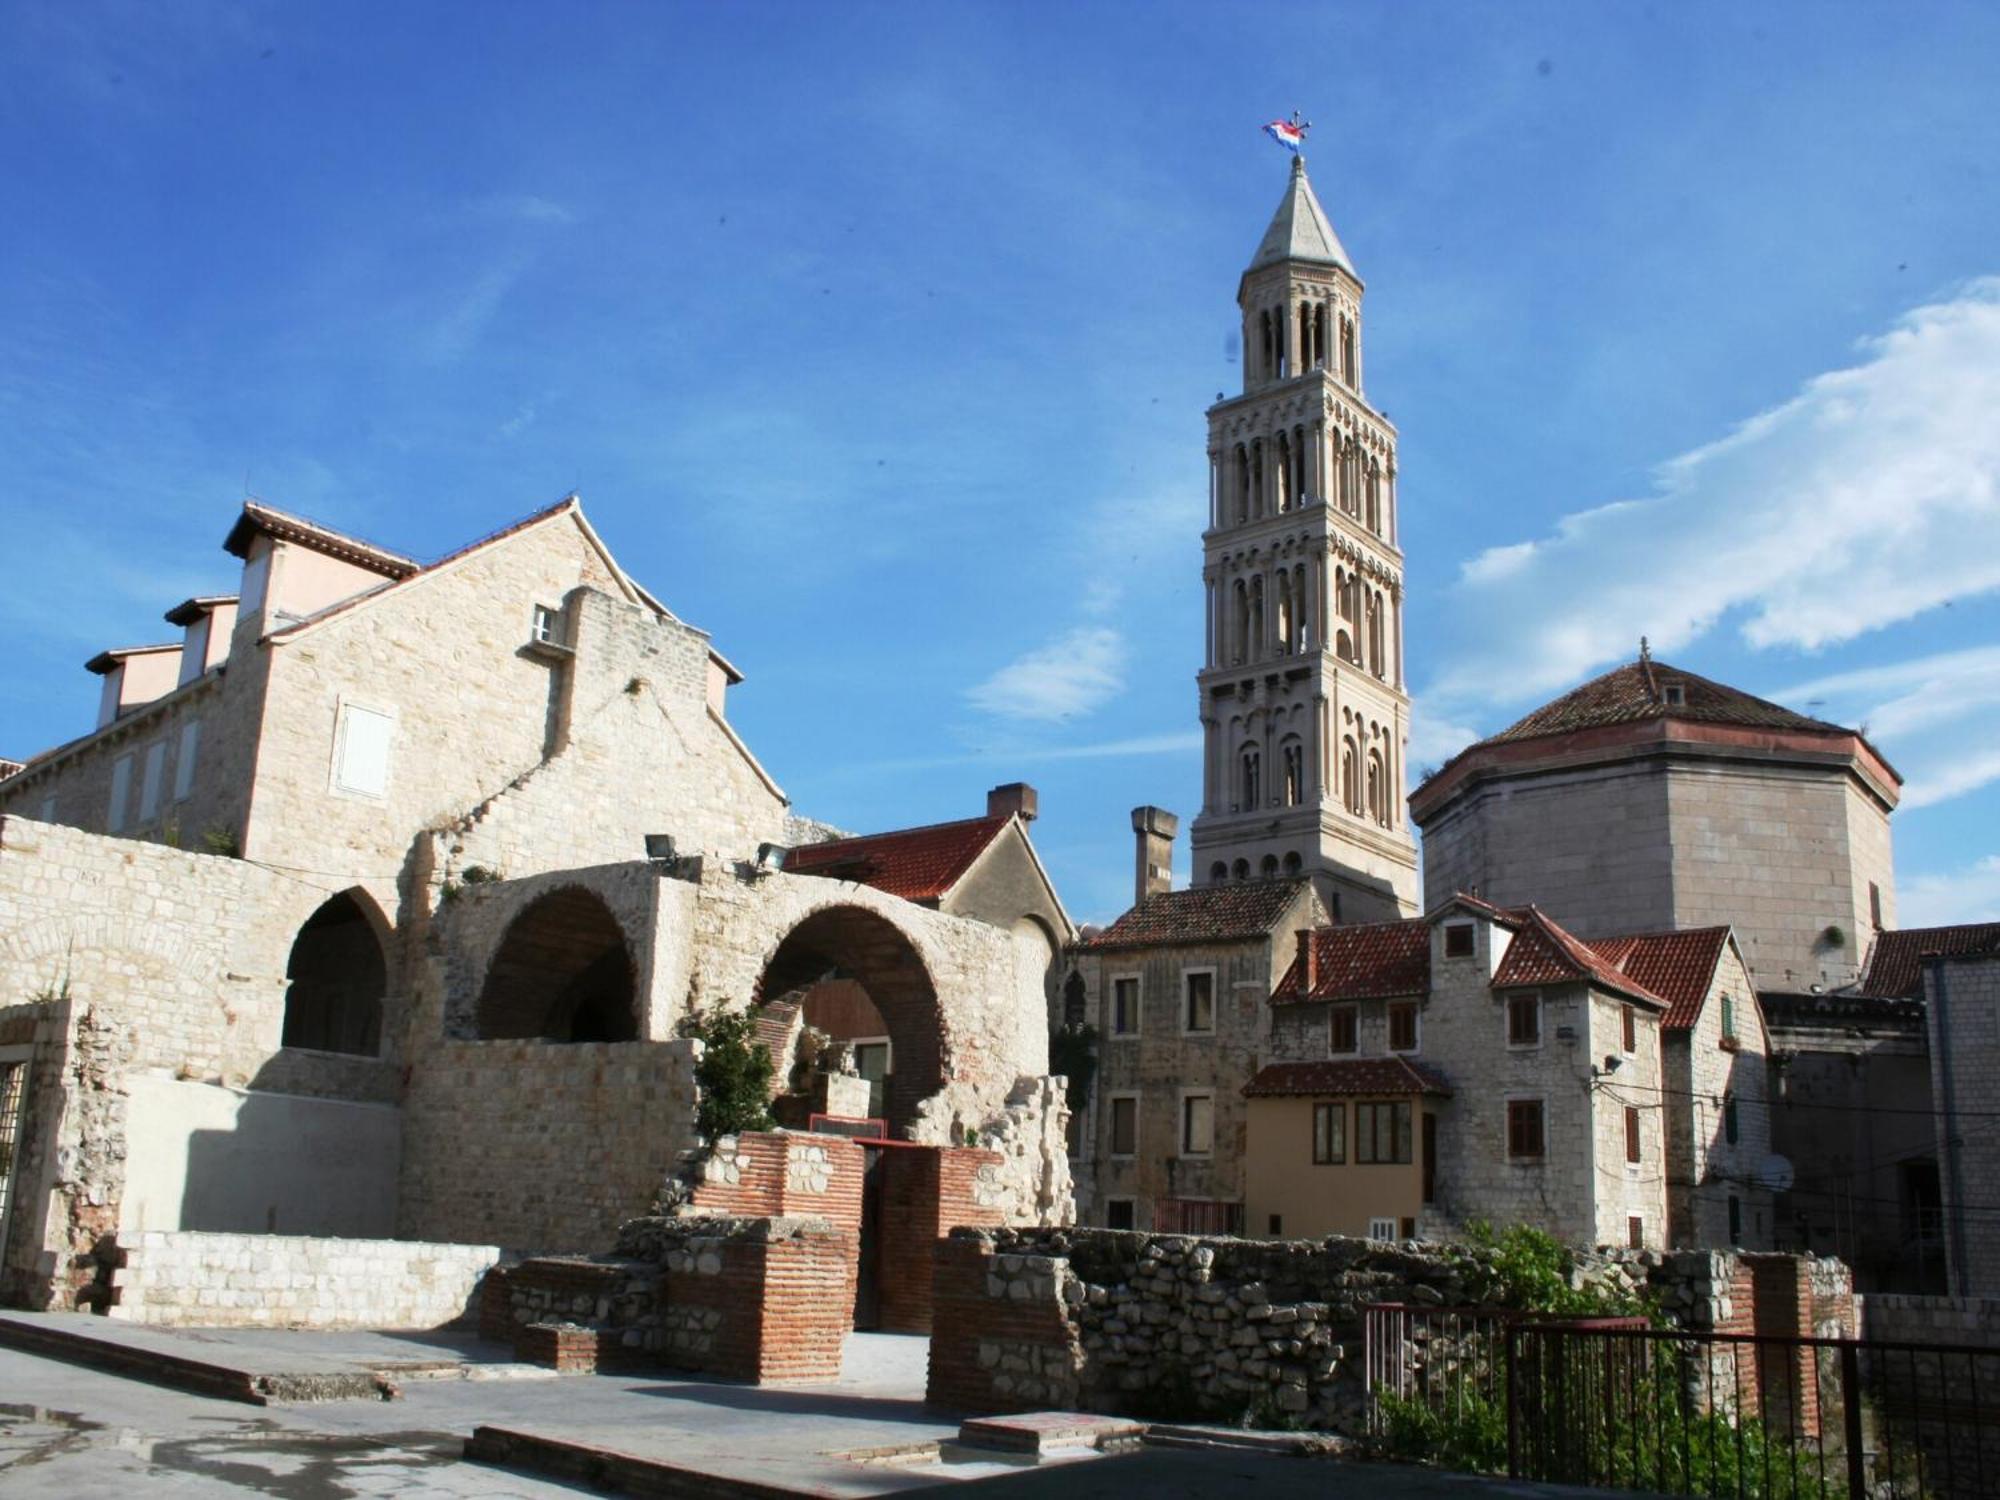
column 279, row 1281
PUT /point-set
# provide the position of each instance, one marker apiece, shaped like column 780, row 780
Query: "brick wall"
column 993, row 1351
column 282, row 1281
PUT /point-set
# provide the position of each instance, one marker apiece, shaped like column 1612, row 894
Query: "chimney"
column 1014, row 797
column 1308, row 962
column 1155, row 827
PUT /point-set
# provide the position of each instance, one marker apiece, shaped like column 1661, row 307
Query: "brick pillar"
column 926, row 1193
column 1002, row 1341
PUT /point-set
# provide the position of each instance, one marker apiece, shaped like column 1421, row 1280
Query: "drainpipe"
column 1948, row 1137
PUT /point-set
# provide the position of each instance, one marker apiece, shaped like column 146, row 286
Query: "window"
column 1277, row 1222
column 1344, row 1030
column 1403, row 1026
column 1635, row 1232
column 1729, row 1126
column 1675, row 694
column 361, row 750
column 1633, row 1153
column 1458, row 940
column 1125, row 1005
column 1524, row 1020
column 1524, row 1130
column 13, row 1101
column 1382, row 1229
column 121, row 793
column 1735, row 1220
column 874, row 1062
column 1125, row 1125
column 49, row 808
column 1382, row 1133
column 1118, row 1213
column 1198, row 1000
column 547, row 627
column 1628, row 1028
column 1197, row 1124
column 1329, row 1133
column 1728, row 1018
column 184, row 760
column 149, row 786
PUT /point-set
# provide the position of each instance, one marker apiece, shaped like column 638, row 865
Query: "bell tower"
column 1305, row 712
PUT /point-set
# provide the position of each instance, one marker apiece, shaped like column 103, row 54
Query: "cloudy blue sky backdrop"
column 876, row 338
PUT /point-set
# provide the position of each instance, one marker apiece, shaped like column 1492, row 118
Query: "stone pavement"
column 67, row 1430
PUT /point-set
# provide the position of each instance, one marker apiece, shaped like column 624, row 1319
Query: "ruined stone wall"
column 542, row 1146
column 280, row 1281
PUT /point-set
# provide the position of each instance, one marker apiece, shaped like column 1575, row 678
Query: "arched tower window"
column 1242, row 484
column 1255, row 646
column 1270, row 358
column 1350, row 775
column 1242, row 631
column 1249, row 778
column 1217, row 873
column 1378, row 788
column 1284, row 475
column 1242, row 871
column 1302, row 631
column 1268, row 869
column 1347, row 350
column 1293, row 863
column 1284, row 610
column 1374, row 497
column 1257, row 477
column 1295, row 773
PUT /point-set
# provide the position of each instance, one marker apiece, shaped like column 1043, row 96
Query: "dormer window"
column 1458, row 940
column 1675, row 695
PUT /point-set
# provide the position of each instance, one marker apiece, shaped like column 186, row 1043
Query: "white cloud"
column 1937, row 717
column 1869, row 497
column 1970, row 894
column 1072, row 675
column 1434, row 740
column 527, row 207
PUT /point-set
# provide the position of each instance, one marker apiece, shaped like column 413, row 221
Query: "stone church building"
column 374, row 904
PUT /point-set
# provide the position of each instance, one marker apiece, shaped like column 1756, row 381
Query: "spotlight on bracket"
column 771, row 858
column 660, row 848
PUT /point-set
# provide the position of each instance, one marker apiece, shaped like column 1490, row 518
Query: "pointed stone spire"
column 1300, row 229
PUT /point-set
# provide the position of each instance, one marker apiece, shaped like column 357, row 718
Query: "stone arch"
column 563, row 973
column 860, row 949
column 337, row 975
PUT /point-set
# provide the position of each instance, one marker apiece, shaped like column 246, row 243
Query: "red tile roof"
column 1350, row 1075
column 1543, row 953
column 1895, row 968
column 1638, row 690
column 1202, row 914
column 1363, row 962
column 918, row 864
column 1679, row 967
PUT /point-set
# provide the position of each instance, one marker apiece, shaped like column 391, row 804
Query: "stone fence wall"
column 280, row 1281
column 1931, row 1320
column 1169, row 1325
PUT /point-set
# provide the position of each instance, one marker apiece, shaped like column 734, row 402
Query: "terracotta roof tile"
column 1202, row 914
column 918, row 864
column 1363, row 962
column 1679, row 967
column 1639, row 690
column 1544, row 953
column 1351, row 1075
column 1895, row 967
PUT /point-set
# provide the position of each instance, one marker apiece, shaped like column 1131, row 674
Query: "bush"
column 733, row 1078
column 1529, row 1268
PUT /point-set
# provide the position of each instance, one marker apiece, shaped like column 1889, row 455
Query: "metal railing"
column 1751, row 1415
column 1196, row 1216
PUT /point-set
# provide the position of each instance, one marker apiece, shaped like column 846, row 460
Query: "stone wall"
column 1099, row 1320
column 1962, row 996
column 280, row 1281
column 1899, row 1318
column 542, row 1146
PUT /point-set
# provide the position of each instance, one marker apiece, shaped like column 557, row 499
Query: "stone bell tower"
column 1304, row 708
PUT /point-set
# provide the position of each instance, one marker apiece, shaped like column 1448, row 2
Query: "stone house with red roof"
column 1653, row 799
column 374, row 905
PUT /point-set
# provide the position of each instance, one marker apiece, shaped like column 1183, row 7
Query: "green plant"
column 1528, row 1268
column 1467, row 1432
column 733, row 1077
column 479, row 875
column 1073, row 1054
column 971, row 1135
column 170, row 832
column 219, row 838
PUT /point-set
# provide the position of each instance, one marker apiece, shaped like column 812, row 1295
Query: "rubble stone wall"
column 281, row 1281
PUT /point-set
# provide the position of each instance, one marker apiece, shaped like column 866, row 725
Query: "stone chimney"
column 1155, row 827
column 1014, row 797
column 1308, row 962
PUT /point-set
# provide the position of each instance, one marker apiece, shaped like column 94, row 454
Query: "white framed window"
column 184, row 760
column 121, row 793
column 1197, row 1124
column 1124, row 1017
column 546, row 627
column 149, row 785
column 1197, row 1002
column 361, row 740
column 1382, row 1229
column 1122, row 1113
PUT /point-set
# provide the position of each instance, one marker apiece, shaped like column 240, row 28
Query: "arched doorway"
column 864, row 982
column 563, row 973
column 333, row 1002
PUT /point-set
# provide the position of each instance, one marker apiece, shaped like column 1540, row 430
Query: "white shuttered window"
column 361, row 750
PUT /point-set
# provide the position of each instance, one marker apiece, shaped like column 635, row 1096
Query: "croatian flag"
column 1286, row 134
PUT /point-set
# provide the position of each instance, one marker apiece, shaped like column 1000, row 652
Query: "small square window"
column 1198, row 1008
column 547, row 626
column 1524, row 1020
column 1118, row 1213
column 1524, row 1130
column 1458, row 940
column 1344, row 1030
column 1675, row 694
column 1403, row 1026
column 1125, row 1006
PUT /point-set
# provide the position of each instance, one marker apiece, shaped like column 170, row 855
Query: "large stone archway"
column 563, row 973
column 337, row 976
column 839, row 950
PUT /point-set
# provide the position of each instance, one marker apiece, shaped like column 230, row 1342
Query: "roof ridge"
column 857, row 838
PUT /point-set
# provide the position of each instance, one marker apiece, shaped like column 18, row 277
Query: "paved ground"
column 69, row 1431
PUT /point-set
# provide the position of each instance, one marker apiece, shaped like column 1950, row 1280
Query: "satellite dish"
column 1774, row 1174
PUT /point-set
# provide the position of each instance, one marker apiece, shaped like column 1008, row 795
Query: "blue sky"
column 877, row 340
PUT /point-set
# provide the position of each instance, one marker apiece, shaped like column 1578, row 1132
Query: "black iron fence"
column 1615, row 1403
